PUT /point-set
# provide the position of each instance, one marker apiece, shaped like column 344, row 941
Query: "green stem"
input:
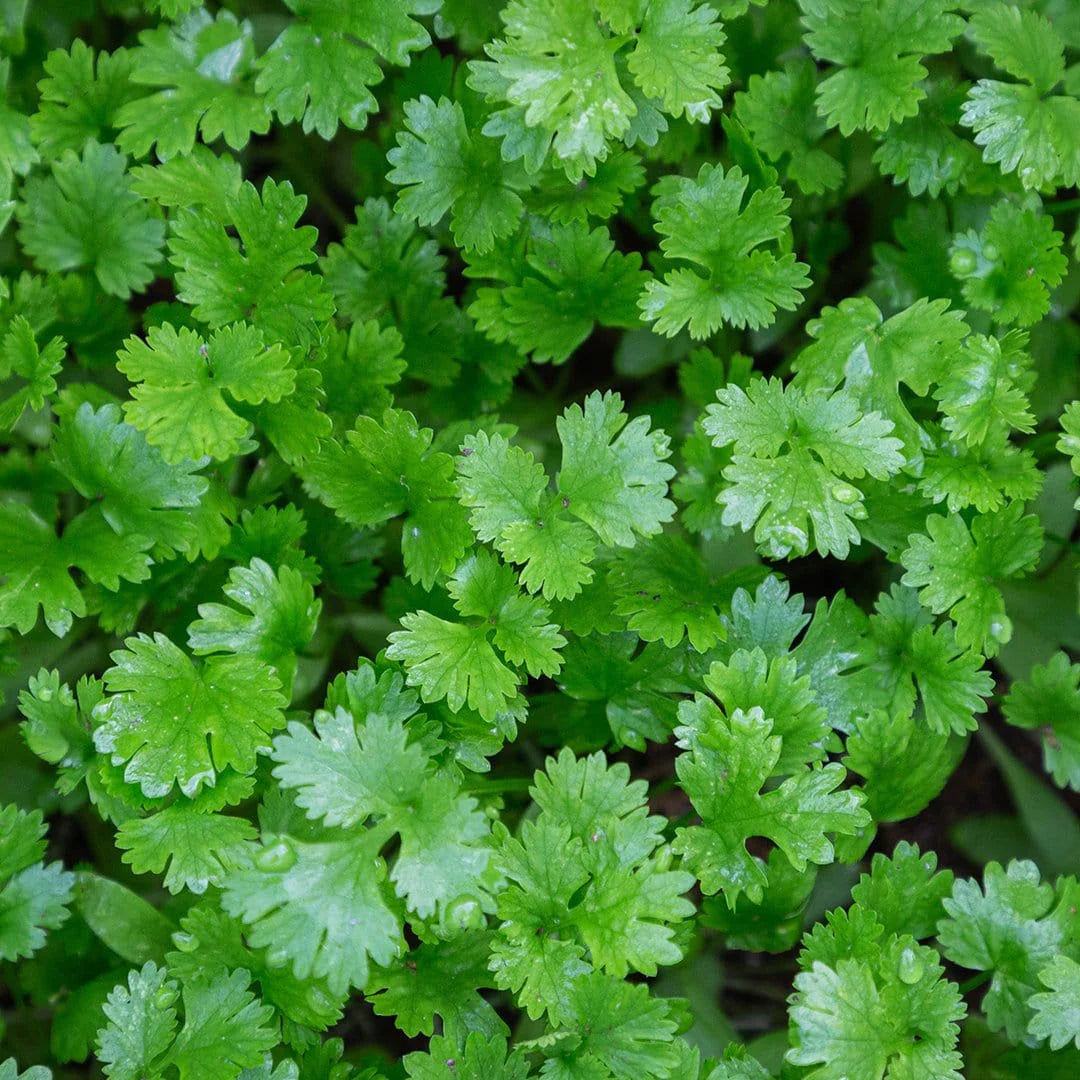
column 975, row 981
column 497, row 787
column 1062, row 207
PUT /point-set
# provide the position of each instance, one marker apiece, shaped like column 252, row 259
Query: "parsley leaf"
column 33, row 896
column 171, row 721
column 443, row 166
column 795, row 453
column 86, row 215
column 958, row 569
column 205, row 67
column 254, row 277
column 1021, row 126
column 878, row 50
column 741, row 282
column 180, row 401
column 723, row 774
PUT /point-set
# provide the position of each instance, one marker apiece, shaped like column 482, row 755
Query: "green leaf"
column 205, row 67
column 872, row 358
column 1019, row 127
column 1013, row 926
column 958, row 570
column 142, row 1023
column 386, row 470
column 256, row 276
column 723, row 775
column 878, row 49
column 1057, row 1011
column 282, row 621
column 199, row 847
column 443, row 167
column 677, row 60
column 458, row 661
column 20, row 356
column 986, row 390
column 440, row 978
column 613, row 476
column 1016, row 260
column 889, row 1014
column 778, row 110
column 137, row 492
column 558, row 283
column 179, row 401
column 795, row 453
column 225, row 1029
column 320, row 904
column 556, row 68
column 318, row 71
column 33, row 896
column 353, row 771
column 740, row 281
column 1048, row 701
column 80, row 97
column 616, row 1030
column 171, row 721
column 86, row 216
column 477, row 1057
column 665, row 589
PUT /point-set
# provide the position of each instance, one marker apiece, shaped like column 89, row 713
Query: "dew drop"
column 185, row 942
column 276, row 858
column 909, row 967
column 165, row 996
column 844, row 493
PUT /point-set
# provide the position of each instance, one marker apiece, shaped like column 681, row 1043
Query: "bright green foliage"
column 740, row 281
column 594, row 840
column 729, row 762
column 509, row 509
column 192, row 844
column 559, row 73
column 320, row 905
column 33, row 895
column 224, row 1030
column 180, row 401
column 878, row 49
column 1048, row 701
column 447, row 168
column 458, row 661
column 779, row 111
column 1057, row 1011
column 21, row 357
column 1013, row 927
column 442, row 978
column 318, row 70
column 924, row 151
column 205, row 67
column 254, row 279
column 1022, row 126
column 557, row 284
column 794, row 456
column 910, row 661
column 80, row 97
column 871, row 1001
column 1013, row 262
column 283, row 616
column 985, row 392
column 958, row 569
column 666, row 592
column 85, row 216
column 355, row 770
column 386, row 470
column 171, row 721
column 872, row 357
column 612, row 488
column 473, row 1058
